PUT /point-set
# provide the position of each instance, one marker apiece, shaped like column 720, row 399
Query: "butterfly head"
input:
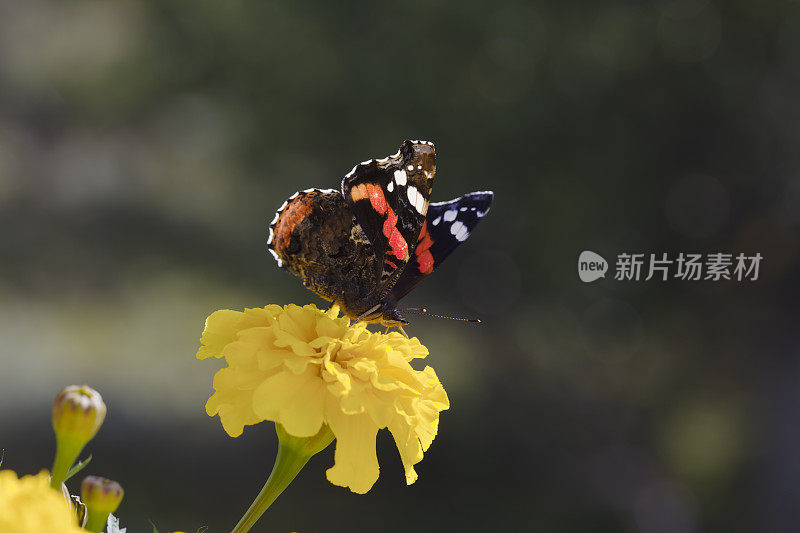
column 384, row 313
column 391, row 317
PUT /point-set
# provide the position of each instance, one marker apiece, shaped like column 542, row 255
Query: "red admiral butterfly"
column 367, row 246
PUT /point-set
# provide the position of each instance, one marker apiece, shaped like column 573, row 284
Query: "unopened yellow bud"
column 102, row 497
column 78, row 413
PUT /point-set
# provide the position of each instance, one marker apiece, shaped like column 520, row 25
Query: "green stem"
column 293, row 454
column 67, row 452
column 95, row 522
column 287, row 465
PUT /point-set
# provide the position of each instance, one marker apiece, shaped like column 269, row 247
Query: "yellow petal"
column 352, row 404
column 427, row 423
column 243, row 351
column 286, row 339
column 298, row 321
column 333, row 312
column 338, row 380
column 221, row 328
column 331, row 328
column 380, row 406
column 409, row 446
column 295, row 401
column 434, row 391
column 263, row 315
column 233, row 399
column 298, row 365
column 269, row 357
column 28, row 505
column 356, row 462
column 410, row 348
column 235, row 416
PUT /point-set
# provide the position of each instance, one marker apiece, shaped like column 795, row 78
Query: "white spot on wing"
column 412, row 195
column 400, row 177
column 390, row 187
column 410, row 167
column 450, row 216
column 436, row 221
column 459, row 230
column 422, row 204
column 463, row 209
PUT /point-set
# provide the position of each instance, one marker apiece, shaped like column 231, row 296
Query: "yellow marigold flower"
column 29, row 505
column 302, row 367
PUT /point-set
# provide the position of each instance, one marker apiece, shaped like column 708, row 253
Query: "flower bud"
column 78, row 413
column 102, row 497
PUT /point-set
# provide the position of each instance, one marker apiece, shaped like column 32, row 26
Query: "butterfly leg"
column 403, row 331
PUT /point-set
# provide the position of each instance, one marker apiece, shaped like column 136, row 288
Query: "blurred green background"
column 145, row 145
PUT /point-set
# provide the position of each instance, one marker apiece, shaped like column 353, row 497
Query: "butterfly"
column 366, row 246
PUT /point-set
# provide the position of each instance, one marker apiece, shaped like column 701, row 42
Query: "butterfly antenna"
column 424, row 311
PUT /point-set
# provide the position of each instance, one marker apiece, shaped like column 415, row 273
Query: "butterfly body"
column 368, row 245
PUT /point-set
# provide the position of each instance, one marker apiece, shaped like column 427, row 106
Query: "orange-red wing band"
column 377, row 199
column 424, row 256
column 396, row 240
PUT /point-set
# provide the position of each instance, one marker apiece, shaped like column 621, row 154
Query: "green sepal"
column 78, row 467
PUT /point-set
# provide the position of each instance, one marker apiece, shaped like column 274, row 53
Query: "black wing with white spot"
column 389, row 199
column 447, row 225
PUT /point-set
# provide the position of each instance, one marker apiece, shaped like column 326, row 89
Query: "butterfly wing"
column 447, row 225
column 389, row 198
